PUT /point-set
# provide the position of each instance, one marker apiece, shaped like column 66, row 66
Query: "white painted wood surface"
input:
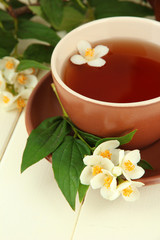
column 33, row 208
column 31, row 205
column 120, row 220
column 8, row 122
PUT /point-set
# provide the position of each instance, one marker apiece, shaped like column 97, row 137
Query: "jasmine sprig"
column 55, row 136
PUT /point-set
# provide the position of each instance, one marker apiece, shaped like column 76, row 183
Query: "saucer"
column 43, row 104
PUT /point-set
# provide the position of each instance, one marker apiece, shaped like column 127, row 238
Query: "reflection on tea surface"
column 131, row 73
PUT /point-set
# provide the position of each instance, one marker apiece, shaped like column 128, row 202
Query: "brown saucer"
column 43, row 104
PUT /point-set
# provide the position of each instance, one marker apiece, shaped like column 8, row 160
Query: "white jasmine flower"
column 108, row 184
column 108, row 150
column 129, row 190
column 89, row 55
column 95, row 165
column 23, row 81
column 128, row 162
column 8, row 66
column 7, row 100
column 10, row 102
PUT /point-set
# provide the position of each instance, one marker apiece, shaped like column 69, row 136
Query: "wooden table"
column 33, row 208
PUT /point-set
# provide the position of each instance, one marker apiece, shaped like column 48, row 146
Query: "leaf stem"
column 77, row 134
column 55, row 91
column 77, row 218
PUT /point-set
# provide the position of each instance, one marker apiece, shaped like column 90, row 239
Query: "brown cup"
column 108, row 119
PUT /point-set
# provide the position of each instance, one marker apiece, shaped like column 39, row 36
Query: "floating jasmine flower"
column 89, row 55
column 108, row 150
column 129, row 190
column 95, row 165
column 128, row 163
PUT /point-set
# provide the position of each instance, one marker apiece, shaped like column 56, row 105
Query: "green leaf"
column 123, row 140
column 82, row 191
column 34, row 30
column 67, row 163
column 71, row 19
column 89, row 138
column 37, row 10
column 3, row 52
column 38, row 52
column 7, row 40
column 4, row 16
column 44, row 140
column 145, row 165
column 24, row 64
column 15, row 4
column 53, row 10
column 110, row 8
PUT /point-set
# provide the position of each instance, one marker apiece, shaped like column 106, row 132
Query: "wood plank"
column 8, row 122
column 31, row 204
column 120, row 220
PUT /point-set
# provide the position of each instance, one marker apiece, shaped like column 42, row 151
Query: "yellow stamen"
column 129, row 166
column 106, row 154
column 9, row 65
column 0, row 82
column 89, row 52
column 96, row 170
column 108, row 181
column 20, row 104
column 127, row 191
column 22, row 79
column 6, row 99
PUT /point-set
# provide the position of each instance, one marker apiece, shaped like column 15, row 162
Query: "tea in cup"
column 123, row 94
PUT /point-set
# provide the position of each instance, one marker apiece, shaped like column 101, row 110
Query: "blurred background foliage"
column 44, row 20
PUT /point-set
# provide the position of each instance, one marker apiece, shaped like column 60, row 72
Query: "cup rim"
column 82, row 97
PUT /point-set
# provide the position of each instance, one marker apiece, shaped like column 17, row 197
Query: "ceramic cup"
column 108, row 119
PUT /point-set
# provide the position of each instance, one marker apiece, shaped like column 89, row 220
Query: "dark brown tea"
column 131, row 73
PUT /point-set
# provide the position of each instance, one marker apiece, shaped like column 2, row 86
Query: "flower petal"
column 98, row 62
column 108, row 145
column 121, row 156
column 95, row 160
column 86, row 175
column 115, row 156
column 78, row 59
column 2, row 82
column 97, row 181
column 133, row 156
column 133, row 196
column 124, row 185
column 100, row 51
column 107, row 164
column 137, row 184
column 92, row 160
column 117, row 171
column 138, row 172
column 26, row 93
column 83, row 46
column 10, row 75
column 109, row 194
